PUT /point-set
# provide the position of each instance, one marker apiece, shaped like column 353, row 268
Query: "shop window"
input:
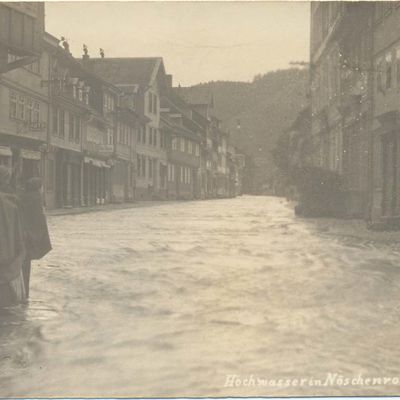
column 150, row 168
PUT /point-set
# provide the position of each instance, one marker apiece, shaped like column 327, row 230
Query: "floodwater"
column 176, row 299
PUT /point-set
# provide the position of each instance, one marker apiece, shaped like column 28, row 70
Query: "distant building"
column 184, row 180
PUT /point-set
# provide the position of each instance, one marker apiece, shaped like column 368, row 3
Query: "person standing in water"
column 12, row 244
column 37, row 239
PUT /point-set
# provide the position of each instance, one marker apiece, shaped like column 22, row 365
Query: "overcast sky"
column 199, row 41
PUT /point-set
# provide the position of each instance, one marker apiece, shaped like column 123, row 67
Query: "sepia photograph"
column 199, row 199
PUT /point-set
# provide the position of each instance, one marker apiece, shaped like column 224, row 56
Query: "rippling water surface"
column 168, row 300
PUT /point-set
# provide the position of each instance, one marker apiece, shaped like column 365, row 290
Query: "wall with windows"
column 66, row 128
column 24, row 101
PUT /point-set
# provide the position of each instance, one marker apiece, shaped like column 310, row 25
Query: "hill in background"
column 264, row 108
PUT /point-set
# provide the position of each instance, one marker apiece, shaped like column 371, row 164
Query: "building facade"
column 102, row 130
column 143, row 82
column 341, row 102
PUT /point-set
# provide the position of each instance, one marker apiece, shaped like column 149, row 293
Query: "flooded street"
column 169, row 300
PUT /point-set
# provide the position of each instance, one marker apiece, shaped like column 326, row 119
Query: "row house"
column 236, row 164
column 184, row 143
column 90, row 138
column 355, row 86
column 385, row 128
column 340, row 73
column 142, row 80
column 99, row 130
column 215, row 143
column 24, row 103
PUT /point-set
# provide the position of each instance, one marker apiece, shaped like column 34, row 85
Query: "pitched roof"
column 132, row 70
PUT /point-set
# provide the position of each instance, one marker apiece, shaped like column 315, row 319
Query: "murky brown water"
column 169, row 300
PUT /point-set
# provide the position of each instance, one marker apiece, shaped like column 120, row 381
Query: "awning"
column 30, row 154
column 5, row 151
column 96, row 163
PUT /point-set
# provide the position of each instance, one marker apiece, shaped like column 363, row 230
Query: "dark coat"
column 12, row 249
column 37, row 237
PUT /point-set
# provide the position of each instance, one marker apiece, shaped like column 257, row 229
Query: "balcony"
column 107, row 150
column 34, row 129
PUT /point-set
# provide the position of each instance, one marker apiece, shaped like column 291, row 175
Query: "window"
column 197, row 150
column 398, row 66
column 21, row 107
column 109, row 101
column 379, row 78
column 29, row 110
column 55, row 121
column 155, row 104
column 155, row 137
column 150, row 168
column 388, row 70
column 71, row 135
column 77, row 130
column 34, row 67
column 36, row 112
column 162, row 139
column 182, row 144
column 144, row 166
column 182, row 174
column 190, row 147
column 150, row 100
column 139, row 165
column 61, row 121
column 13, row 105
column 143, row 131
column 110, row 136
column 174, row 143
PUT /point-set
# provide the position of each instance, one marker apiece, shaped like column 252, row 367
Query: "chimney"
column 168, row 81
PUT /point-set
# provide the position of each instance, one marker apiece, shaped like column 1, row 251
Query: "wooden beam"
column 17, row 64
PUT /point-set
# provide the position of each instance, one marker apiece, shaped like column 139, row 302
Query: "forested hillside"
column 263, row 108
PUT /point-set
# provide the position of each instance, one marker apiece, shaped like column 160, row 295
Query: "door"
column 390, row 175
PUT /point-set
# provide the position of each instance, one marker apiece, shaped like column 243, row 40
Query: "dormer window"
column 109, row 102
